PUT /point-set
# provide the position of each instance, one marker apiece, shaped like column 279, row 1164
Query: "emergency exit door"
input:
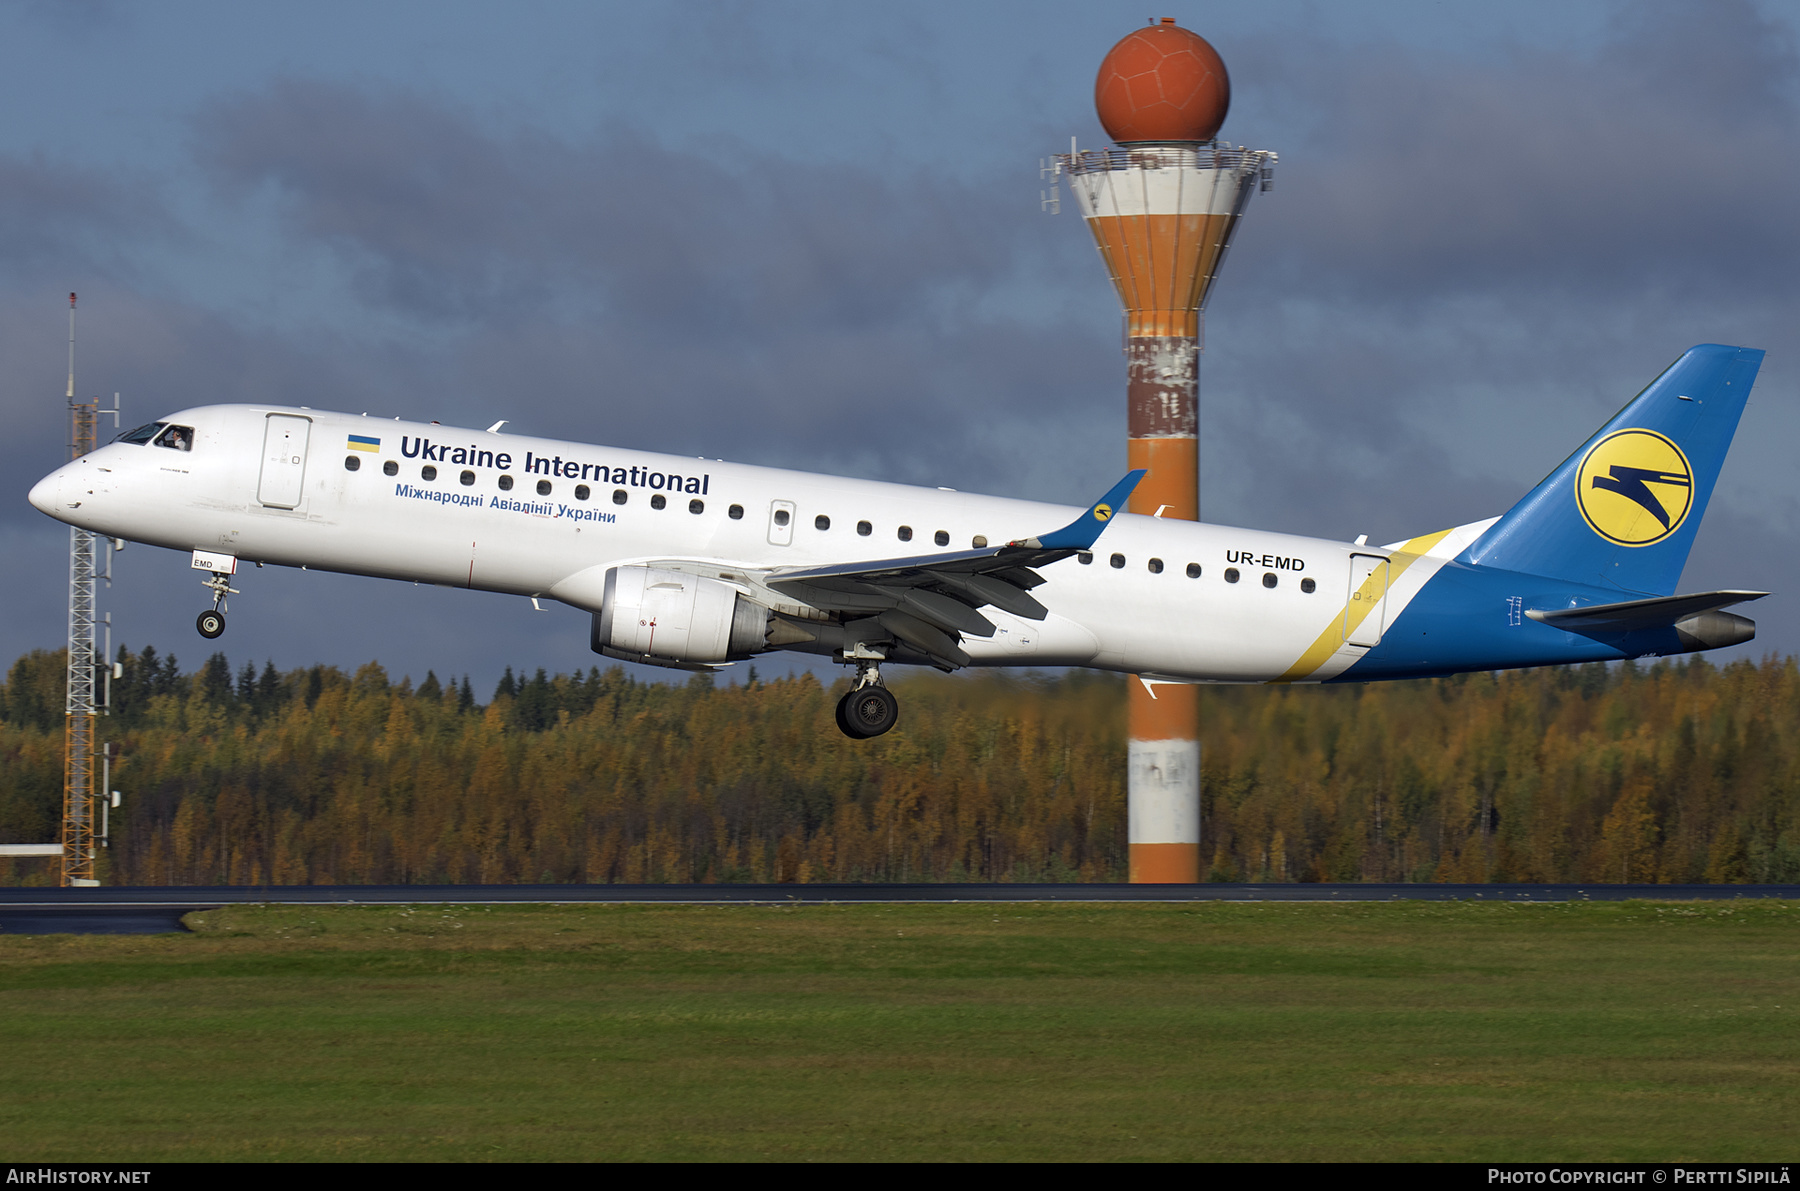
column 781, row 522
column 284, row 461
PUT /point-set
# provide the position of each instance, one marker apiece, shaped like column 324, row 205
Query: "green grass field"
column 1402, row 1031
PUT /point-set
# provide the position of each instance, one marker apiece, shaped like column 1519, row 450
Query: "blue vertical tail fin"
column 1622, row 511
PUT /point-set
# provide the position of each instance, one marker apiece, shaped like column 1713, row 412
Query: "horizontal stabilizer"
column 1631, row 615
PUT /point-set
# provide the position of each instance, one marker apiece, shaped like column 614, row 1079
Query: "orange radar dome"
column 1162, row 83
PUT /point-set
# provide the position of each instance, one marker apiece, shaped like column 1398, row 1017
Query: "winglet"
column 1084, row 531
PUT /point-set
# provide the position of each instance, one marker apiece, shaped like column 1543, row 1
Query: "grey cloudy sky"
column 808, row 235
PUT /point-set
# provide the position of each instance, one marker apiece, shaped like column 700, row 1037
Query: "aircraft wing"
column 928, row 600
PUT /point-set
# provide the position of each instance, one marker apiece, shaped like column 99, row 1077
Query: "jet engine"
column 648, row 614
column 1714, row 630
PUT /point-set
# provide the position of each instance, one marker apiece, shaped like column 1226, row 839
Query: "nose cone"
column 46, row 494
column 63, row 492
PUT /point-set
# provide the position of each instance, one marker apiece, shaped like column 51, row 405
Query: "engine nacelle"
column 1714, row 630
column 655, row 615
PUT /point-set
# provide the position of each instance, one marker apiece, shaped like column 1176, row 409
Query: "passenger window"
column 505, row 483
column 1084, row 558
column 1118, row 562
column 1193, row 570
column 1308, row 586
column 390, row 468
column 582, row 492
column 352, row 462
column 1269, row 579
column 1156, row 566
column 1231, row 575
column 941, row 538
column 428, row 472
column 543, row 487
column 821, row 522
column 906, row 533
column 468, row 478
column 979, row 541
column 864, row 528
column 142, row 434
column 619, row 496
column 659, row 501
column 177, row 438
column 782, row 516
column 696, row 506
column 735, row 512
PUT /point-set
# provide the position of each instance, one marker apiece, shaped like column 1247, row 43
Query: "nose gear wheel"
column 211, row 623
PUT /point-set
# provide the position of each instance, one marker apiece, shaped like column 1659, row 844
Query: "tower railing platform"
column 1216, row 155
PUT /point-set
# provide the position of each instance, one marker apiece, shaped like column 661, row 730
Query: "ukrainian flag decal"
column 359, row 442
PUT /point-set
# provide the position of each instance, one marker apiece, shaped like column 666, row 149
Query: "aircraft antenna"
column 80, row 711
column 1162, row 206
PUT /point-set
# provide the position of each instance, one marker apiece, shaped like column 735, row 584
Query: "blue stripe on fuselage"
column 1473, row 618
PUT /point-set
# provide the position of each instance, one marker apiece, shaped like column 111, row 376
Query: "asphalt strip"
column 152, row 910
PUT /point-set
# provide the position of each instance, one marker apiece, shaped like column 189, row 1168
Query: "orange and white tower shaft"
column 1162, row 207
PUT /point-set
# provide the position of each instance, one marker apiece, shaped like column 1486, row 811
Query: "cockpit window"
column 177, row 438
column 142, row 434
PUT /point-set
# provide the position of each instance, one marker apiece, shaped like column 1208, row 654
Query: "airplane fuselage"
column 544, row 518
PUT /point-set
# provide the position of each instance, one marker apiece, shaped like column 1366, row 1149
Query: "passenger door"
column 284, row 461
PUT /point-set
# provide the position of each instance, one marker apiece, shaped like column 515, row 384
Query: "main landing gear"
column 870, row 708
column 212, row 621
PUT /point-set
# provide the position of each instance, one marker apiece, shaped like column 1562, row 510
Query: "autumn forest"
column 1673, row 772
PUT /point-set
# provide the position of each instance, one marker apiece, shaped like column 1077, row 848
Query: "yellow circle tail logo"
column 1635, row 487
column 1102, row 512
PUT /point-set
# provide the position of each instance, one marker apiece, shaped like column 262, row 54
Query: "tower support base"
column 1163, row 790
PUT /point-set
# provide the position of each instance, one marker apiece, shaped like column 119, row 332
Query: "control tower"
column 1162, row 206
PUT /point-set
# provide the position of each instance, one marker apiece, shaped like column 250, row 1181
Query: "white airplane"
column 694, row 563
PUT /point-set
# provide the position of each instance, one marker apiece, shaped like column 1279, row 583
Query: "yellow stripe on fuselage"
column 1372, row 592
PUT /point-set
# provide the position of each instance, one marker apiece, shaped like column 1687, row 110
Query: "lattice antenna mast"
column 80, row 755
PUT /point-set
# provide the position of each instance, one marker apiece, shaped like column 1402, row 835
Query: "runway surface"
column 151, row 910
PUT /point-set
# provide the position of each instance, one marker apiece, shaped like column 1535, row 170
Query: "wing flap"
column 943, row 610
column 926, row 638
column 998, row 591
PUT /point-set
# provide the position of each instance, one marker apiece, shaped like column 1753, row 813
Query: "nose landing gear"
column 211, row 622
column 870, row 709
